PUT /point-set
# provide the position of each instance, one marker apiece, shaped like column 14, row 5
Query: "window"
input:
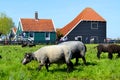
column 23, row 34
column 31, row 34
column 94, row 25
column 47, row 36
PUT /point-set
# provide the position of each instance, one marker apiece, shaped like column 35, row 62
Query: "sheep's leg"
column 76, row 63
column 118, row 54
column 40, row 66
column 98, row 54
column 110, row 55
column 84, row 60
column 46, row 65
column 68, row 62
column 69, row 66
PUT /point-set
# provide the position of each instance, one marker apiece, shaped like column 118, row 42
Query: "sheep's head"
column 27, row 58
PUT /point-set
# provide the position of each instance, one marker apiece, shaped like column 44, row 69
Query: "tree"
column 59, row 35
column 6, row 24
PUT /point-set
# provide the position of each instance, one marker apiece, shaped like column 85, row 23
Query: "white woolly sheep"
column 50, row 54
column 77, row 48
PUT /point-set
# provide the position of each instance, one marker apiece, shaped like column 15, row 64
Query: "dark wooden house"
column 87, row 27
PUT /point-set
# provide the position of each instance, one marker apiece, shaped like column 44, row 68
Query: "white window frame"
column 31, row 38
column 47, row 37
column 94, row 23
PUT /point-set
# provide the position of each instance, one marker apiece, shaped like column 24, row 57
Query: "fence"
column 10, row 42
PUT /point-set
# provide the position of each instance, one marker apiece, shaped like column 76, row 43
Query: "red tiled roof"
column 88, row 14
column 41, row 25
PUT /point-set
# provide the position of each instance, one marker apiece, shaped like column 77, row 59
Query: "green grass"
column 11, row 67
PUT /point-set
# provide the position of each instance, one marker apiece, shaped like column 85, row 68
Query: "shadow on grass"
column 87, row 64
column 58, row 69
column 64, row 70
column 53, row 70
column 91, row 64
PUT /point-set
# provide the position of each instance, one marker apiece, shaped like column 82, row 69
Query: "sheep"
column 77, row 48
column 101, row 48
column 24, row 44
column 28, row 44
column 110, row 48
column 31, row 44
column 50, row 54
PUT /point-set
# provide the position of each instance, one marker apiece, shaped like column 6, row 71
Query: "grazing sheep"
column 24, row 44
column 28, row 44
column 77, row 48
column 31, row 44
column 50, row 54
column 110, row 48
column 101, row 48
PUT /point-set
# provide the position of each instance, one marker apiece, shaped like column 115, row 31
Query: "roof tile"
column 41, row 25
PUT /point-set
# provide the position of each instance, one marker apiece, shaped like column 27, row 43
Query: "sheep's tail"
column 85, row 48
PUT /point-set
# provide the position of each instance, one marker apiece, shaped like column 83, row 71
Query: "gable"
column 19, row 29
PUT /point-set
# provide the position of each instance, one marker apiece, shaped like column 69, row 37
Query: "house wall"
column 84, row 30
column 39, row 37
column 53, row 37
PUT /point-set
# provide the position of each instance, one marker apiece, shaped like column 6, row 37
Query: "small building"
column 12, row 34
column 88, row 27
column 36, row 30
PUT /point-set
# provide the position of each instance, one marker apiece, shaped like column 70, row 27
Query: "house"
column 87, row 27
column 12, row 34
column 36, row 30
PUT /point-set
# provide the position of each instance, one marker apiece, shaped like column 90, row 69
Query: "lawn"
column 11, row 67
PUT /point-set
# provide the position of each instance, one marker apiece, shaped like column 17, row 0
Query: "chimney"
column 36, row 15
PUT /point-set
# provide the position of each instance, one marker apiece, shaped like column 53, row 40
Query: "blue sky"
column 64, row 11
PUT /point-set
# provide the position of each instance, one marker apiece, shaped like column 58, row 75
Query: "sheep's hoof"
column 69, row 70
column 47, row 70
column 76, row 64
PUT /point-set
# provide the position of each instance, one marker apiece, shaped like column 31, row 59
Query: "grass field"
column 12, row 69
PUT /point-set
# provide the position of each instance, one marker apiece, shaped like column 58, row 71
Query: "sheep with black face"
column 101, row 48
column 50, row 54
